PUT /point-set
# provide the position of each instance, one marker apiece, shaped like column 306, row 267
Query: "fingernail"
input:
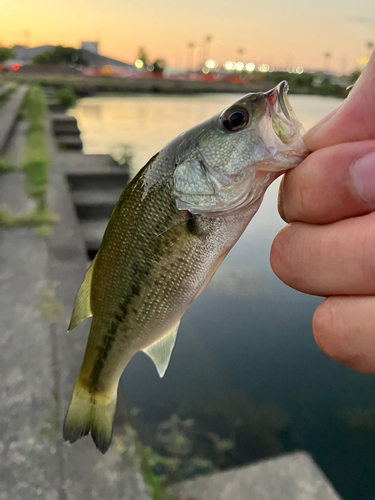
column 363, row 174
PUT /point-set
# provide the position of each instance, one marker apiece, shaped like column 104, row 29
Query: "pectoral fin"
column 161, row 350
column 82, row 306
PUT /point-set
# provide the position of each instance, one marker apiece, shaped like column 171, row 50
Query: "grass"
column 6, row 166
column 66, row 96
column 150, row 464
column 36, row 168
column 41, row 218
column 37, row 162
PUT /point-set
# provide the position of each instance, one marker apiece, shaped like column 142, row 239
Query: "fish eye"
column 235, row 119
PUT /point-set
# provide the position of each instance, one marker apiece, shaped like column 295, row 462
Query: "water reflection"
column 245, row 369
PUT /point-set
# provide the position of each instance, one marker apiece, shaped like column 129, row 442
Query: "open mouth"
column 282, row 90
column 284, row 121
column 279, row 102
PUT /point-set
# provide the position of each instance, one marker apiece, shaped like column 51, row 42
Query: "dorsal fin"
column 82, row 306
column 161, row 350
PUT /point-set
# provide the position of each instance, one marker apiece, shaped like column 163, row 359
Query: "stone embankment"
column 39, row 360
column 8, row 115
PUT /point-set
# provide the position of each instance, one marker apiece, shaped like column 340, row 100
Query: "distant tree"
column 370, row 46
column 6, row 54
column 60, row 55
column 142, row 56
column 159, row 66
column 354, row 76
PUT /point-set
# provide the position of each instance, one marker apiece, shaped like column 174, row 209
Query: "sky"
column 279, row 33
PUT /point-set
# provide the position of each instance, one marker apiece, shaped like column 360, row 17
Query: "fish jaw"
column 282, row 132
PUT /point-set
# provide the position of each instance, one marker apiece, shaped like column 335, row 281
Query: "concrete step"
column 63, row 124
column 95, row 204
column 114, row 180
column 69, row 142
column 55, row 106
column 289, row 477
column 49, row 92
column 8, row 114
column 80, row 163
column 93, row 231
column 94, row 211
column 94, row 197
column 89, row 200
column 61, row 129
column 63, row 118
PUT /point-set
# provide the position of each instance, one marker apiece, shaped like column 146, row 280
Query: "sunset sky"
column 280, row 33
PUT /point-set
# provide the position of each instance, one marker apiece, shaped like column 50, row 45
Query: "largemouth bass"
column 169, row 232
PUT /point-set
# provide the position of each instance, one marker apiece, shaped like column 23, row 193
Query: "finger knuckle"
column 330, row 333
column 281, row 249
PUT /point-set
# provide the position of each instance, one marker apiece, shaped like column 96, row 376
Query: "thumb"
column 353, row 120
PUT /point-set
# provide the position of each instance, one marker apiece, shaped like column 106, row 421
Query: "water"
column 245, row 366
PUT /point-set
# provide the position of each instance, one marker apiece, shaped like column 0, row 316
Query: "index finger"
column 354, row 120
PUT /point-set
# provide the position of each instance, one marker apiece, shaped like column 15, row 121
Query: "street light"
column 190, row 63
column 208, row 41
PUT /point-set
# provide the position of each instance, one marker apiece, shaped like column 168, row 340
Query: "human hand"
column 328, row 247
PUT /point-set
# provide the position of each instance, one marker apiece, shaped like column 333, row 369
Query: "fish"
column 172, row 227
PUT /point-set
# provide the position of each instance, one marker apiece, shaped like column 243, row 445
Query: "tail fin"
column 90, row 412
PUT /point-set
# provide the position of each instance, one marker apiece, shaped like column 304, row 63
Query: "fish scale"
column 169, row 232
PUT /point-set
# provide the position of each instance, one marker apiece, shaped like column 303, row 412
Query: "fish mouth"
column 279, row 103
column 285, row 123
column 282, row 90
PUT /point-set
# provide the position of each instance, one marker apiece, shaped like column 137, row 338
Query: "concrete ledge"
column 88, row 474
column 78, row 163
column 39, row 362
column 69, row 142
column 8, row 115
column 290, row 477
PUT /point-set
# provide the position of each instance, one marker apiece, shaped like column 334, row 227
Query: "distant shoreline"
column 88, row 86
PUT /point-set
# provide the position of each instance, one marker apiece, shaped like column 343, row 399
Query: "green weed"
column 66, row 96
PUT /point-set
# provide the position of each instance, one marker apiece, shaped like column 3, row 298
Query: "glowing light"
column 229, row 65
column 15, row 67
column 138, row 64
column 250, row 67
column 150, row 68
column 263, row 68
column 290, row 70
column 211, row 64
column 205, row 70
column 299, row 70
column 240, row 66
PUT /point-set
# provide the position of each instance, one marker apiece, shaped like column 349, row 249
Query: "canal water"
column 246, row 379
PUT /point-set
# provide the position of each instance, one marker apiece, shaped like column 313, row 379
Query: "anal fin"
column 82, row 306
column 161, row 350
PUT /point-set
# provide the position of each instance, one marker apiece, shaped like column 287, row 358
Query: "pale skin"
column 328, row 246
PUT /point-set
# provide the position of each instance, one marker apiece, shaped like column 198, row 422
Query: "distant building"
column 24, row 56
column 92, row 47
